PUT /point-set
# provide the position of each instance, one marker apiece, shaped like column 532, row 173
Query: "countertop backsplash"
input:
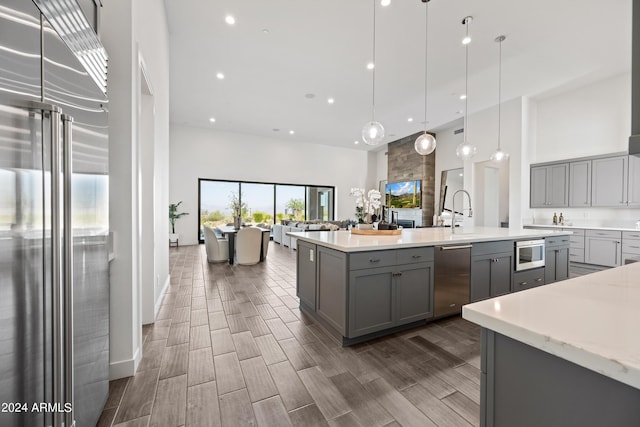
column 594, row 217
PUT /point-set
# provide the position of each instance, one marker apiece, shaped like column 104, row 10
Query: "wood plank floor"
column 231, row 348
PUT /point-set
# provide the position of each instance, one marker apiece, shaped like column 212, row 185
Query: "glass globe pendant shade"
column 425, row 144
column 466, row 151
column 373, row 133
column 499, row 156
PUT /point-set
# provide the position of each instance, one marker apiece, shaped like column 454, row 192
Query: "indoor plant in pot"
column 174, row 215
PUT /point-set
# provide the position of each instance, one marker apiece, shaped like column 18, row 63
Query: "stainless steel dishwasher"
column 452, row 279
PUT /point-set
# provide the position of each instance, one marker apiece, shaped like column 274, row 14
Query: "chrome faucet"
column 453, row 202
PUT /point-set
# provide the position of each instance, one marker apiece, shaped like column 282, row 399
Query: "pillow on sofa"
column 315, row 227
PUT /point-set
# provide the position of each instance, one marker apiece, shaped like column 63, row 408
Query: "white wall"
column 590, row 120
column 130, row 28
column 204, row 153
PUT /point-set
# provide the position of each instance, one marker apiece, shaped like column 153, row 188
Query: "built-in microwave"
column 529, row 254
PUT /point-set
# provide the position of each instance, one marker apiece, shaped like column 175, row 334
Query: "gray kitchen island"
column 567, row 354
column 363, row 286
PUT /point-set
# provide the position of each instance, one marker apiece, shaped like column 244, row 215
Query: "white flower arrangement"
column 366, row 205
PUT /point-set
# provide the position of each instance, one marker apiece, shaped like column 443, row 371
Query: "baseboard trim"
column 161, row 296
column 124, row 368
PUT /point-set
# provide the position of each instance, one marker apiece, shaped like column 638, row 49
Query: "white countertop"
column 592, row 320
column 578, row 227
column 414, row 237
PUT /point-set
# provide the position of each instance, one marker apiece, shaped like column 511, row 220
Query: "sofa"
column 280, row 230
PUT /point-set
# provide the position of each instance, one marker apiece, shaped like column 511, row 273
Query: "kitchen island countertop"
column 592, row 320
column 344, row 241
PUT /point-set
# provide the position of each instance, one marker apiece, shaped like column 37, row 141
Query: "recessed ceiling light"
column 291, row 132
column 212, row 119
column 265, row 31
column 410, row 119
column 370, row 66
column 356, row 142
column 385, row 2
column 331, row 100
column 229, row 19
column 463, row 96
column 220, row 76
column 466, row 40
column 461, row 175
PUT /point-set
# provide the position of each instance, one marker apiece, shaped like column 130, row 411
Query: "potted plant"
column 174, row 215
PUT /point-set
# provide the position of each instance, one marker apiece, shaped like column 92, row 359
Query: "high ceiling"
column 279, row 51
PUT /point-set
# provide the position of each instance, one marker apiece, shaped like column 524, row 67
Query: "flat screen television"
column 405, row 194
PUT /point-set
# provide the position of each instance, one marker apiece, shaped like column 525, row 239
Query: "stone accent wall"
column 405, row 164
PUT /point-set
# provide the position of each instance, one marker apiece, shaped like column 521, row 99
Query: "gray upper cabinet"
column 609, row 181
column 580, row 184
column 633, row 183
column 549, row 186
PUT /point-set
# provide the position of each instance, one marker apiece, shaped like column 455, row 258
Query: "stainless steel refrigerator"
column 54, row 271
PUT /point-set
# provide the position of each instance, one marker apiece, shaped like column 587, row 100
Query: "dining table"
column 230, row 232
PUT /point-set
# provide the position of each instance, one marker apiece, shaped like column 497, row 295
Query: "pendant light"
column 426, row 143
column 499, row 155
column 373, row 132
column 466, row 150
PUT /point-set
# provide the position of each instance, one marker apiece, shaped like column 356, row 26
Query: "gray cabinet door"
column 558, row 185
column 528, row 279
column 331, row 295
column 306, row 276
column 633, row 190
column 562, row 263
column 372, row 300
column 609, row 182
column 550, row 265
column 538, row 193
column 603, row 251
column 414, row 293
column 580, row 184
column 491, row 275
column 480, row 278
column 501, row 272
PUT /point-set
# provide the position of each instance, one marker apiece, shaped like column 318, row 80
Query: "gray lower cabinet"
column 372, row 300
column 385, row 297
column 630, row 244
column 491, row 269
column 331, row 289
column 556, row 259
column 306, row 274
column 528, row 279
column 603, row 248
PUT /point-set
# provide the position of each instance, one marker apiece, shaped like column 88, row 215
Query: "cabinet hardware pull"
column 538, row 280
column 416, row 256
column 523, row 283
column 449, row 248
column 374, row 260
column 635, row 247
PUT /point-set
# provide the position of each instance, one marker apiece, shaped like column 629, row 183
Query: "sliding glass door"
column 261, row 203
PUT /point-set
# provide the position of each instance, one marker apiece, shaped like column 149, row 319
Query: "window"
column 261, row 202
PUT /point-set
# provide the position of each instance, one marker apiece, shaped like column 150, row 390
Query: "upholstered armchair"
column 217, row 247
column 248, row 245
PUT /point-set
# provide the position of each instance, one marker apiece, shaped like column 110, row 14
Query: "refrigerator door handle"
column 57, row 262
column 67, row 128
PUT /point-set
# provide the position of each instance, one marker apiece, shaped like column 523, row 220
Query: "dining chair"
column 217, row 248
column 248, row 243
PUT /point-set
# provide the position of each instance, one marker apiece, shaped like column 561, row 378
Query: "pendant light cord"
column 466, row 82
column 501, row 38
column 373, row 103
column 426, row 50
